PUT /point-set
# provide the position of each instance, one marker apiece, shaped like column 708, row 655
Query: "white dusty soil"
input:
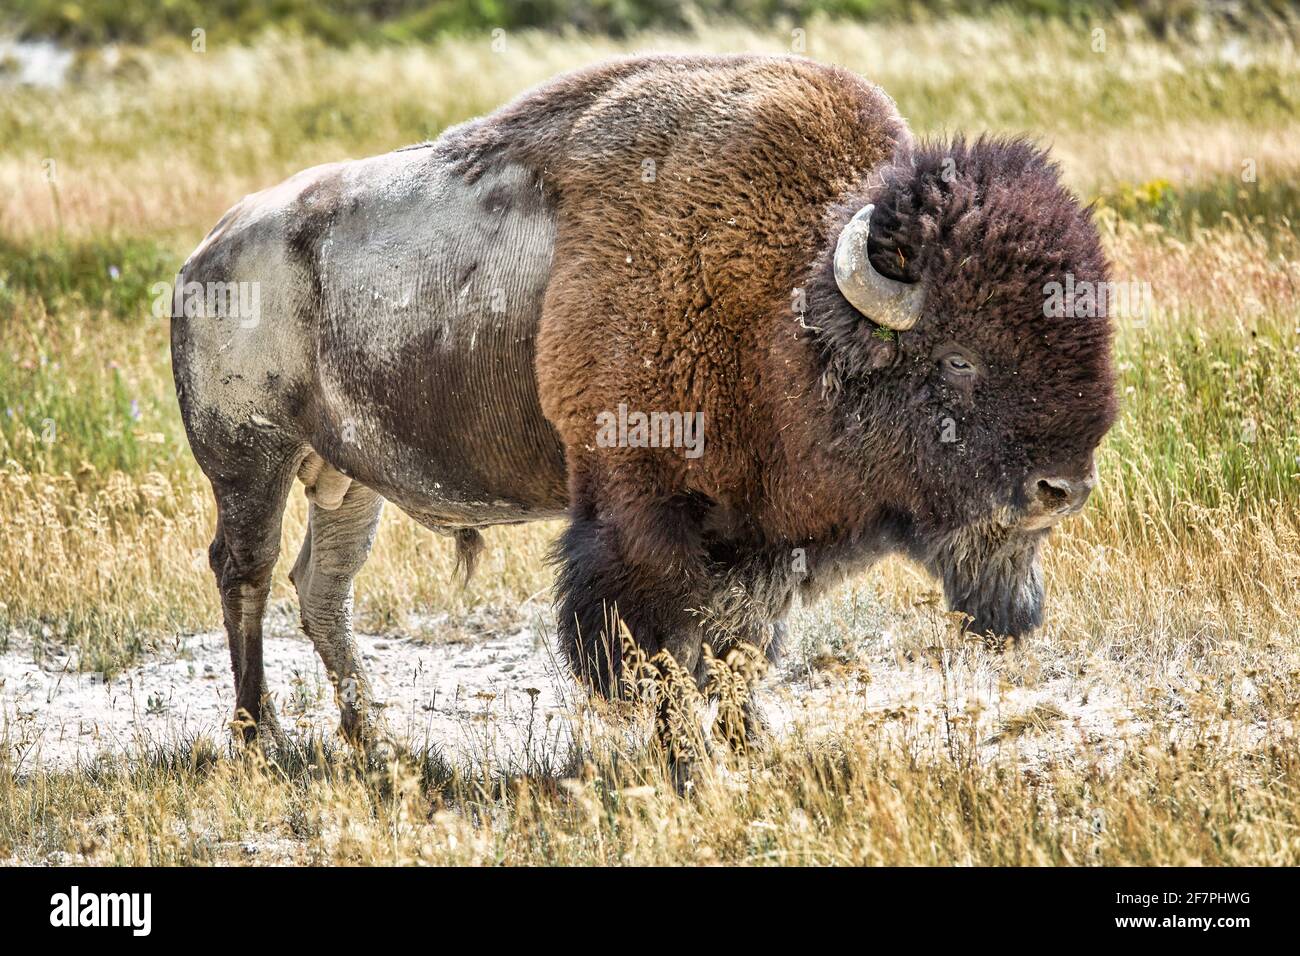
column 503, row 697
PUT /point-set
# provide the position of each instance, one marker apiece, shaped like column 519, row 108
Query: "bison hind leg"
column 242, row 556
column 336, row 545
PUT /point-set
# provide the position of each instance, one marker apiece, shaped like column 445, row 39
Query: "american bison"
column 527, row 317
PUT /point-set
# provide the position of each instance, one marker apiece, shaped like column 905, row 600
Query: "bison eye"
column 958, row 366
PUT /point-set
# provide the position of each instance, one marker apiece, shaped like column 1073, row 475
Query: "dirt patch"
column 504, row 697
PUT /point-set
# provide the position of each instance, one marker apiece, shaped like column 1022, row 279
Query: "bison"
column 478, row 330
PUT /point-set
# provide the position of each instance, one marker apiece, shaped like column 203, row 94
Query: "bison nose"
column 1055, row 494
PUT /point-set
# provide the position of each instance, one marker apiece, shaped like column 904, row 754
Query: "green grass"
column 79, row 382
column 112, row 277
column 1208, row 417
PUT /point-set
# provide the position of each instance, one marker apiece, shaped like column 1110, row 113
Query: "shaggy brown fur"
column 652, row 235
column 698, row 202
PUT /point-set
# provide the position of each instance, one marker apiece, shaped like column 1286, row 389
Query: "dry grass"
column 175, row 138
column 1177, row 592
column 878, row 791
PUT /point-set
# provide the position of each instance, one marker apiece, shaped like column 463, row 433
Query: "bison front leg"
column 597, row 586
column 995, row 578
column 604, row 600
column 674, row 590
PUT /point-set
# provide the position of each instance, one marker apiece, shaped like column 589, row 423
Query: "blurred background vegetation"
column 344, row 22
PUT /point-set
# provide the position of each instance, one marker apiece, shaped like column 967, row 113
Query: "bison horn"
column 888, row 302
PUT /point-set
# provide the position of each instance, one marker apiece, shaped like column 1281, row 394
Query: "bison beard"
column 994, row 578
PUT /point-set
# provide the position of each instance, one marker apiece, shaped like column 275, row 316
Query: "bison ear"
column 885, row 301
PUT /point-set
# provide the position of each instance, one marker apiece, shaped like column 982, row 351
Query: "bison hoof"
column 371, row 741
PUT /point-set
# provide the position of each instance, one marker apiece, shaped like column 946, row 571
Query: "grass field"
column 1178, row 588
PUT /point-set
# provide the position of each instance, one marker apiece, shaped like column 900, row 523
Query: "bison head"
column 974, row 405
